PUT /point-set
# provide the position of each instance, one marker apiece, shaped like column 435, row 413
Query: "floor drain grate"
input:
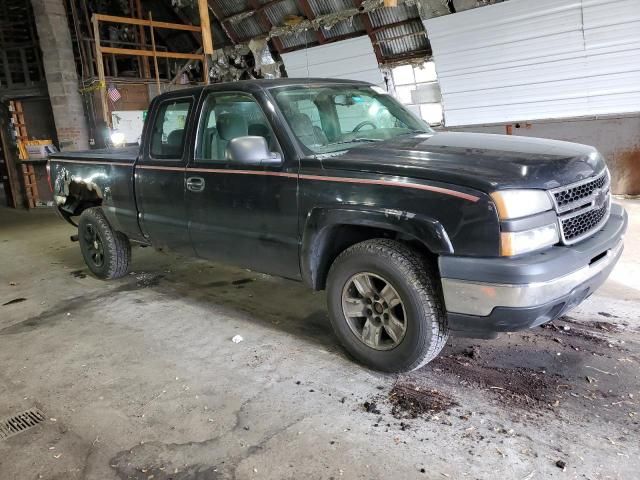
column 20, row 422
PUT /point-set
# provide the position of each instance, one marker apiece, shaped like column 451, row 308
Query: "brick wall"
column 60, row 72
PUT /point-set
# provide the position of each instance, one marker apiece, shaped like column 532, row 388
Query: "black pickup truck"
column 413, row 233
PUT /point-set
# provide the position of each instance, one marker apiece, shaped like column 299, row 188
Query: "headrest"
column 231, row 125
column 301, row 124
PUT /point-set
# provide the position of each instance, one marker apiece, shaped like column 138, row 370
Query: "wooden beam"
column 142, row 37
column 149, row 53
column 205, row 25
column 100, row 68
column 366, row 21
column 155, row 55
column 231, row 33
column 146, row 23
column 9, row 159
column 264, row 20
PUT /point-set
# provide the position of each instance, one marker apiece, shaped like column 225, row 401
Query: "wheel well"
column 332, row 241
column 80, row 197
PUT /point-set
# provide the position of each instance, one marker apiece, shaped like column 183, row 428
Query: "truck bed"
column 103, row 177
column 120, row 155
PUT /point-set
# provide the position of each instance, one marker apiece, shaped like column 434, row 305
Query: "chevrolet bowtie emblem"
column 599, row 197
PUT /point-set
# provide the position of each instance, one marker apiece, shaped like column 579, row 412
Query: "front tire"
column 386, row 306
column 106, row 252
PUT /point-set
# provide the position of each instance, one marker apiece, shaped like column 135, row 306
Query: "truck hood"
column 482, row 161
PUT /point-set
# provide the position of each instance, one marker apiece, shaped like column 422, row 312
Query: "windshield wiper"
column 357, row 140
column 413, row 132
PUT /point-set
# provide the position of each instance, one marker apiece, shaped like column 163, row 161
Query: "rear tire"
column 386, row 306
column 106, row 252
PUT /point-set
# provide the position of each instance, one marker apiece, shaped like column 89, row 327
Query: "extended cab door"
column 245, row 215
column 160, row 177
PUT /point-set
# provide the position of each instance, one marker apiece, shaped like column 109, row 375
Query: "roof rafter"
column 309, row 13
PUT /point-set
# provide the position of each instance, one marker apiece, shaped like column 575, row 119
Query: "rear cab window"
column 169, row 129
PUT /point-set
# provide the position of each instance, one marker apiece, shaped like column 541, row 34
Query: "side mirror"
column 252, row 150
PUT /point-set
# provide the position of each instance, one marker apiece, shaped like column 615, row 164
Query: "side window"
column 168, row 133
column 226, row 116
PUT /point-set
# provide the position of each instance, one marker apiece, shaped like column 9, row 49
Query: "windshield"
column 330, row 118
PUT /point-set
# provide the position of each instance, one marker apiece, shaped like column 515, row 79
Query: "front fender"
column 321, row 223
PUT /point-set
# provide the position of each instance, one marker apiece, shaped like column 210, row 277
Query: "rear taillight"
column 49, row 175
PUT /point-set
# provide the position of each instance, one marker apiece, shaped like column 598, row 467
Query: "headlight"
column 515, row 243
column 521, row 203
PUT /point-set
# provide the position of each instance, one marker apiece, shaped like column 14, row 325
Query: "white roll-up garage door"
column 524, row 60
column 351, row 59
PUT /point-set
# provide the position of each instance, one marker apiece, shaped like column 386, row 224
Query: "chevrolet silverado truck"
column 414, row 234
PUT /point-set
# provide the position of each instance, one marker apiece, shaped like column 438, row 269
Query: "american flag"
column 114, row 94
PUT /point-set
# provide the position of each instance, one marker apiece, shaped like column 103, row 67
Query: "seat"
column 229, row 126
column 209, row 143
column 173, row 147
column 306, row 132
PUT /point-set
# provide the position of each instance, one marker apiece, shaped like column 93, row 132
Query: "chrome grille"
column 583, row 207
column 577, row 227
column 564, row 198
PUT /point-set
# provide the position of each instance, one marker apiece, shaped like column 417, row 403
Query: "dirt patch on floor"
column 568, row 328
column 522, row 387
column 412, row 401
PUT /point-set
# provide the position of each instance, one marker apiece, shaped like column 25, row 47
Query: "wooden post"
column 100, row 67
column 9, row 159
column 155, row 56
column 207, row 42
column 205, row 25
column 142, row 36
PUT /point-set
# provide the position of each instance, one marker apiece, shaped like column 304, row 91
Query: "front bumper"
column 485, row 296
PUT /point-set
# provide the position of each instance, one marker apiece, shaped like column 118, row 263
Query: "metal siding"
column 248, row 28
column 523, row 60
column 278, row 11
column 351, row 59
column 231, row 7
column 345, row 27
column 299, row 39
column 405, row 39
column 323, row 7
column 387, row 16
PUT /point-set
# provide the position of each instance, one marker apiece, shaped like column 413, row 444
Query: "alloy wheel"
column 374, row 311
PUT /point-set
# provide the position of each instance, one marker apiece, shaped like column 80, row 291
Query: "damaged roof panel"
column 278, row 11
column 323, row 7
column 248, row 28
column 345, row 27
column 388, row 16
column 231, row 7
column 403, row 40
column 300, row 39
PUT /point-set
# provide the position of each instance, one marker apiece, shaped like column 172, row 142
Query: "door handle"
column 195, row 184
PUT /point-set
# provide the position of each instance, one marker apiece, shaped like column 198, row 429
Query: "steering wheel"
column 359, row 126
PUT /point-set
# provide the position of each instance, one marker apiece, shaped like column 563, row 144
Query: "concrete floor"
column 138, row 378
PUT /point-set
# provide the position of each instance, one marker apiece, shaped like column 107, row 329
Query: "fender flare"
column 321, row 222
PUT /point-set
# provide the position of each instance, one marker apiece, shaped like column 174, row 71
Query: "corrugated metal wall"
column 523, row 60
column 352, row 59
